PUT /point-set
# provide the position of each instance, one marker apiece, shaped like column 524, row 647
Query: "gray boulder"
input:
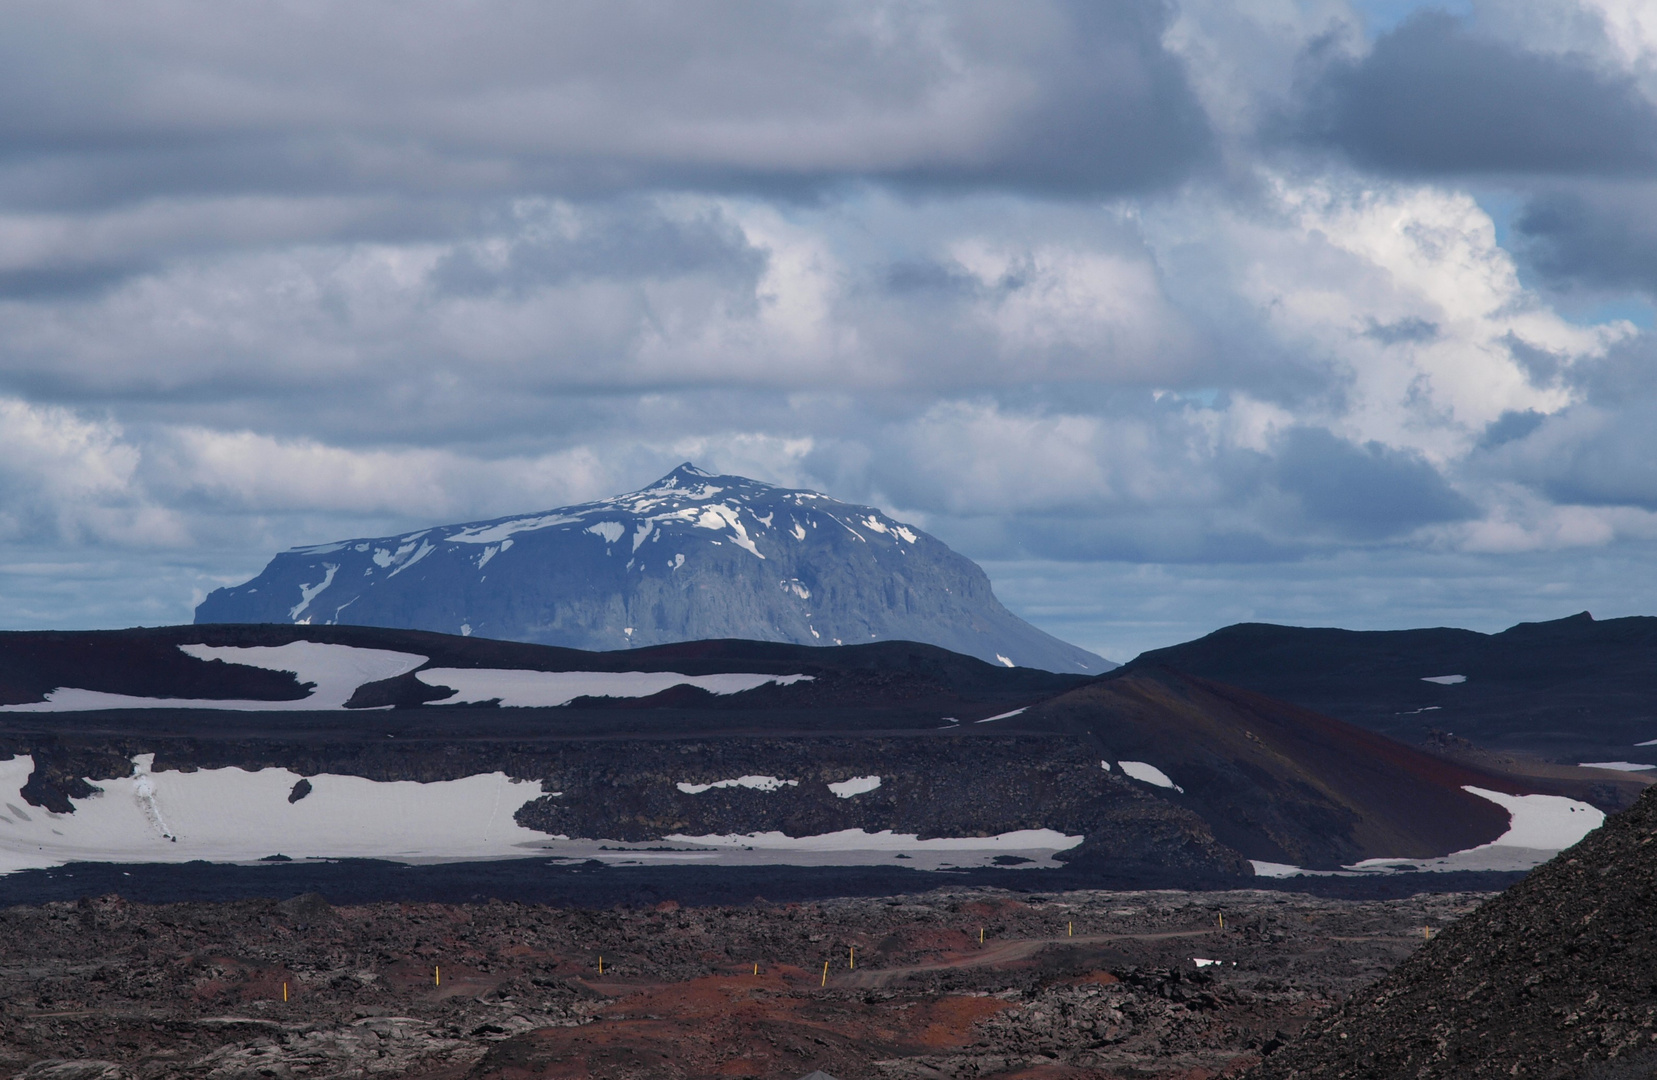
column 692, row 556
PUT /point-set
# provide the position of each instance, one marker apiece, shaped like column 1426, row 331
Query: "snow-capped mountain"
column 692, row 556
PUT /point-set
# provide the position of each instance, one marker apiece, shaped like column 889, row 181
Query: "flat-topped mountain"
column 692, row 556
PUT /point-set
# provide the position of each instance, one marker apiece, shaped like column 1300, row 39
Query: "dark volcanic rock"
column 1554, row 979
column 1081, row 984
column 692, row 556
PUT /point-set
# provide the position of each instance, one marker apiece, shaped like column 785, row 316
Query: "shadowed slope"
column 1280, row 783
column 1571, row 689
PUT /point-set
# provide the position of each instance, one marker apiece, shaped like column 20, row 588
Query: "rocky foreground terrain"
column 1555, row 979
column 1077, row 984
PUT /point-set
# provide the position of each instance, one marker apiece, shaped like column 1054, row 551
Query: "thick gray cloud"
column 1434, row 97
column 1367, row 492
column 1031, row 276
column 100, row 107
column 1594, row 236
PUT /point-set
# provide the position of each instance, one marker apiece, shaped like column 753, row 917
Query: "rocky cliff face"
column 692, row 556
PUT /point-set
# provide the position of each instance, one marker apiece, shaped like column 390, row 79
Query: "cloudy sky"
column 1170, row 314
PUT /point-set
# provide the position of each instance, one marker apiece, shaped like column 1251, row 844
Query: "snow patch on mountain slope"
column 549, row 689
column 1149, row 774
column 426, row 548
column 1539, row 827
column 1541, row 821
column 494, row 533
column 336, row 671
column 307, row 593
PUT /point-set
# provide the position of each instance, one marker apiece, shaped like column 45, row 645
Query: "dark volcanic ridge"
column 725, row 752
column 693, row 556
column 1572, row 690
column 1554, row 979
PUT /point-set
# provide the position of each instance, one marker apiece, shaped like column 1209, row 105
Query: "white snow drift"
column 887, row 840
column 232, row 815
column 857, row 785
column 531, row 689
column 755, row 783
column 1149, row 774
column 337, row 671
column 1539, row 827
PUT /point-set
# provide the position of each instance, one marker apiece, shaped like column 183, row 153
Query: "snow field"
column 756, row 783
column 232, row 815
column 236, row 816
column 887, row 840
column 547, row 689
column 1149, row 774
column 1541, row 821
column 337, row 671
column 857, row 785
column 1539, row 827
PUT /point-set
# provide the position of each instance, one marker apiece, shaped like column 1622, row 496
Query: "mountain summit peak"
column 694, row 555
column 685, row 471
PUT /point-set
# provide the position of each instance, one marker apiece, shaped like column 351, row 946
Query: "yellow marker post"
column 853, row 962
column 437, row 976
column 756, row 969
column 601, row 965
column 1222, row 920
column 980, row 935
column 284, row 991
column 1426, row 933
column 825, row 973
column 1070, row 929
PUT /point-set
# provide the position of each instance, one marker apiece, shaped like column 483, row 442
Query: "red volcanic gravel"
column 1077, row 984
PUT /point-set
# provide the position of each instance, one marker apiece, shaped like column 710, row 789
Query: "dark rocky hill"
column 1556, row 979
column 693, row 556
column 1573, row 689
column 1151, row 776
column 1280, row 783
